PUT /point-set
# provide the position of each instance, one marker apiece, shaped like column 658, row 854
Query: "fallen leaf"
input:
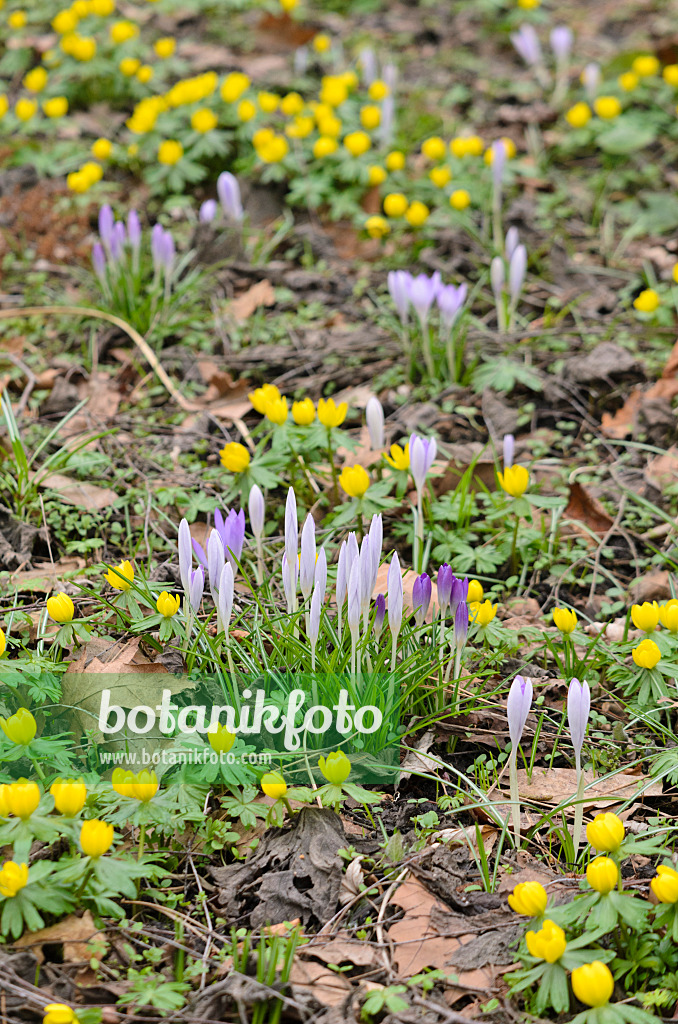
column 311, row 980
column 260, row 294
column 76, row 492
column 662, row 471
column 582, row 507
column 73, row 933
column 551, row 785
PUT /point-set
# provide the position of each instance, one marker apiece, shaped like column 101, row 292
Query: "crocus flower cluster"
column 421, row 292
column 514, row 263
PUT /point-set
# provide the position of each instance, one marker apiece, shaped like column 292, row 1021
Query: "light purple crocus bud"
column 578, row 708
column 320, row 578
column 117, row 240
column 450, row 300
column 395, row 596
column 376, row 535
column 379, row 614
column 444, row 586
column 511, row 243
column 291, row 527
column 590, row 77
column 168, row 252
column 390, row 76
column 561, row 39
column 307, row 560
column 509, row 450
column 387, row 118
column 352, row 553
column 314, row 617
column 185, row 554
column 99, row 261
column 301, row 60
column 365, row 575
column 216, row 558
column 421, row 597
column 422, row 453
column 225, row 598
column 106, row 222
column 133, row 229
column 497, row 277
column 208, row 211
column 374, row 416
column 498, row 164
column 398, row 286
column 368, row 64
column 461, row 624
column 526, row 42
column 342, row 576
column 354, row 595
column 456, row 595
column 290, row 572
column 517, row 268
column 518, row 707
column 228, row 191
column 232, row 533
column 195, row 588
column 157, row 246
column 257, row 510
column 422, row 291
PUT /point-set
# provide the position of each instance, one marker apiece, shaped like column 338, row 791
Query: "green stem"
column 333, row 468
column 142, row 840
column 515, row 796
column 514, row 544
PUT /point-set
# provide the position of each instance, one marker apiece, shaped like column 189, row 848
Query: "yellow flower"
column 481, row 613
column 645, row 616
column 460, row 199
column 246, row 110
column 395, row 160
column 354, row 480
column 13, row 877
column 605, row 832
column 357, row 143
column 203, row 120
column 69, row 796
column 170, row 152
column 333, row 91
column 330, row 414
column 276, row 410
column 529, row 5
column 3, row 643
column 646, row 654
column 399, row 457
column 78, row 182
column 59, row 1013
column 300, row 128
column 273, row 785
column 674, row 272
column 141, row 787
column 19, row 728
column 4, row 104
column 167, row 604
column 434, row 148
column 144, row 74
column 565, row 619
column 275, row 150
column 121, row 576
column 65, row 22
column 292, row 104
column 233, row 86
column 303, row 412
column 668, row 615
column 288, row 5
column 17, row 19
column 417, row 213
column 475, row 591
column 593, row 983
column 235, row 457
column 262, row 396
column 665, row 884
column 102, row 149
column 514, row 480
column 528, row 899
column 92, row 172
column 60, row 608
column 466, row 145
column 646, row 65
column 324, row 146
column 607, row 107
column 21, row 798
column 36, row 80
column 25, row 109
column 579, row 115
column 121, row 31
column 321, row 43
column 377, row 226
column 378, row 90
column 548, row 943
column 395, row 204
column 330, row 125
column 336, row 767
column 103, row 8
column 221, row 739
column 647, row 301
column 96, row 837
column 165, row 47
column 602, row 874
column 628, row 81
column 670, row 74
column 84, row 48
column 509, row 147
column 370, row 116
column 440, row 176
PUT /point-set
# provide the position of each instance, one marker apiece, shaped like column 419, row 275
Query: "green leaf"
column 626, row 136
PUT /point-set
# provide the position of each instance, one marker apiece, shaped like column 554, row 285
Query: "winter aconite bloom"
column 593, row 983
column 69, row 796
column 579, row 115
column 646, row 654
column 475, row 591
column 330, row 414
column 168, row 604
column 399, row 457
column 481, row 613
column 548, row 943
column 336, row 767
column 514, row 480
column 602, row 874
column 303, row 412
column 668, row 615
column 646, row 65
column 19, row 728
column 565, row 620
column 262, row 396
column 460, row 199
column 354, row 480
column 606, row 832
column 376, row 226
column 357, row 143
column 276, row 410
column 13, row 877
column 645, row 616
column 60, row 608
column 121, row 576
column 665, row 884
column 528, row 899
column 96, row 837
column 141, row 787
column 273, row 785
column 221, row 740
column 417, row 213
column 647, row 302
column 607, row 107
column 59, row 1013
column 395, row 204
column 19, row 798
column 170, row 152
column 235, row 457
column 3, row 643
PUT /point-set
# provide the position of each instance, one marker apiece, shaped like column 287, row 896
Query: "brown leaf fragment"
column 584, row 508
column 260, row 294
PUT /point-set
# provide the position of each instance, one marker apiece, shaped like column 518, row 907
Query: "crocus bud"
column 376, row 536
column 291, row 526
column 511, row 243
column 509, row 450
column 379, row 614
column 450, row 301
column 351, row 553
column 368, row 64
column 215, row 562
column 157, row 246
column 395, row 596
column 225, row 598
column 117, row 241
column 444, row 583
column 208, row 211
column 374, row 415
column 498, row 164
column 518, row 707
column 526, row 42
column 365, row 562
column 168, row 252
column 497, row 278
column 342, row 576
column 106, row 221
column 354, row 595
column 422, row 453
column 228, row 191
column 256, row 511
column 422, row 291
column 99, row 261
column 590, row 77
column 185, row 554
column 320, row 578
column 314, row 617
column 196, row 587
column 460, row 625
column 133, row 229
column 578, row 708
column 421, row 597
column 301, row 60
column 307, row 560
column 561, row 39
column 387, row 118
column 398, row 282
column 517, row 268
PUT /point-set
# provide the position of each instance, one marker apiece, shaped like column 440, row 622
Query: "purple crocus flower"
column 168, row 252
column 228, row 191
column 590, row 77
column 99, row 261
column 342, row 576
column 257, row 510
column 517, row 268
column 307, row 560
column 461, row 624
column 509, row 450
column 157, row 246
column 421, row 597
column 117, row 240
column 422, row 291
column 497, row 277
column 578, row 708
column 185, row 554
column 232, row 533
column 133, row 230
column 352, row 553
column 395, row 596
column 511, row 243
column 526, row 42
column 195, row 588
column 106, row 222
column 398, row 286
column 354, row 596
column 498, row 165
column 374, row 417
column 215, row 562
column 450, row 300
column 376, row 536
column 208, row 211
column 225, row 598
column 445, row 579
column 320, row 576
column 379, row 614
column 518, row 707
column 422, row 453
column 368, row 64
column 291, row 526
column 301, row 60
column 387, row 119
column 365, row 560
column 314, row 619
column 561, row 39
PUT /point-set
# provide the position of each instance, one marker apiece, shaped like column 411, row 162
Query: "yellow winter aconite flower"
column 170, row 152
column 434, row 148
column 292, row 104
column 395, row 204
column 13, row 877
column 168, row 604
column 3, row 643
column 275, row 150
column 233, row 86
column 303, row 412
column 528, row 899
column 606, row 832
column 102, row 149
column 670, row 74
column 59, row 1013
column 509, row 148
column 19, row 728
column 399, row 457
column 17, row 19
column 324, row 146
column 321, row 43
column 668, row 615
column 378, row 174
column 646, row 65
column 646, row 654
column 21, row 798
column 357, row 143
column 36, row 80
column 354, row 480
column 273, row 785
column 579, row 115
column 645, row 616
column 440, row 176
column 529, row 5
column 514, row 480
column 370, row 116
column 60, row 608
column 221, row 739
column 548, row 943
column 333, row 90
column 565, row 619
column 260, row 397
column 330, row 414
column 96, row 837
column 276, row 410
column 69, row 796
column 376, row 226
column 246, row 110
column 665, row 884
column 607, row 107
column 481, row 613
column 300, row 128
column 204, row 120
column 602, row 874
column 467, row 145
column 628, row 81
column 121, row 31
column 378, row 90
column 141, row 787
column 460, row 199
column 235, row 457
column 475, row 591
column 25, row 109
column 593, row 983
column 121, row 576
column 144, row 74
column 417, row 213
column 395, row 160
column 336, row 767
column 165, row 47
column 92, row 171
column 647, row 301
column 65, row 22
